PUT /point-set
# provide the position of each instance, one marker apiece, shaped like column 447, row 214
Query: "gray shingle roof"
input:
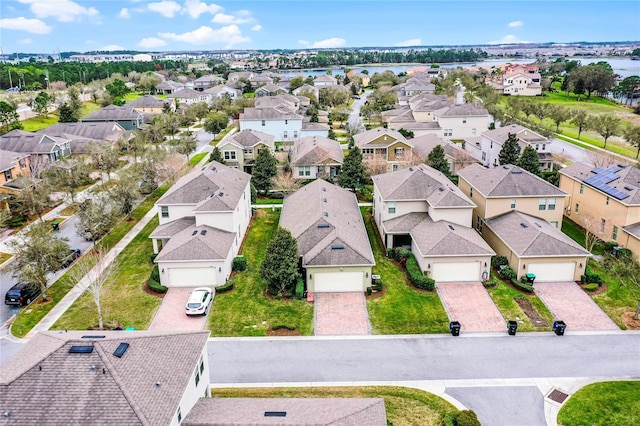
column 314, row 150
column 633, row 229
column 305, row 209
column 185, row 93
column 423, row 145
column 197, row 243
column 147, row 101
column 525, row 135
column 444, row 238
column 214, row 181
column 113, row 113
column 27, row 142
column 628, row 180
column 99, row 131
column 530, row 236
column 169, row 229
column 508, row 181
column 421, row 183
column 62, row 388
column 269, row 113
column 465, row 110
column 9, row 159
column 249, row 138
column 369, row 136
column 299, row 411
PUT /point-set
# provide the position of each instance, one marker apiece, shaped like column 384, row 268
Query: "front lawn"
column 40, row 122
column 197, row 158
column 402, row 309
column 269, row 201
column 605, row 404
column 246, row 310
column 404, row 406
column 576, row 233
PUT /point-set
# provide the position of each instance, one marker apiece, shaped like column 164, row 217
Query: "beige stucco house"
column 241, row 149
column 386, row 144
column 316, row 156
column 457, row 157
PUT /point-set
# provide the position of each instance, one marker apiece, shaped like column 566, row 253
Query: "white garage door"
column 553, row 271
column 192, row 277
column 338, row 281
column 452, row 272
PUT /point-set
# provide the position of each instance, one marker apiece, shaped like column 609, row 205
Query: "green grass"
column 605, row 404
column 38, row 123
column 617, row 299
column 123, row 301
column 246, row 310
column 220, row 135
column 403, row 309
column 132, row 96
column 576, row 233
column 4, row 257
column 404, row 406
column 197, row 158
column 88, row 108
column 269, row 201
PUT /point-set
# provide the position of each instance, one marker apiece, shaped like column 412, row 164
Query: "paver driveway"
column 470, row 304
column 341, row 314
column 569, row 303
column 171, row 316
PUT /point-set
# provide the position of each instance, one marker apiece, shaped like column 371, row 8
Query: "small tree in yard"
column 352, row 173
column 627, row 270
column 606, row 125
column 509, row 152
column 42, row 102
column 530, row 161
column 280, row 265
column 185, row 145
column 592, row 231
column 581, row 119
column 33, row 199
column 438, row 161
column 216, row 155
column 264, row 170
column 38, row 252
column 216, row 121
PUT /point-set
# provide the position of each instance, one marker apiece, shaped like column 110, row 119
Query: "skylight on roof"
column 121, row 349
column 81, row 349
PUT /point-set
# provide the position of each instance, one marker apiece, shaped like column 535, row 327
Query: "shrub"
column 449, row 419
column 416, row 276
column 155, row 274
column 239, row 264
column 507, row 274
column 156, row 286
column 276, row 195
column 490, row 283
column 467, row 418
column 402, row 253
column 522, row 285
column 590, row 277
column 153, row 257
column 283, row 327
column 228, row 286
column 591, row 286
column 609, row 245
column 624, row 253
column 378, row 286
column 369, row 291
column 299, row 288
column 391, row 253
column 498, row 261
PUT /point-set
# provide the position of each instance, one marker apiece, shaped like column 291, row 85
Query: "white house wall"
column 461, row 216
column 175, row 212
column 277, row 128
column 473, row 127
column 193, row 392
column 221, row 269
column 365, row 270
column 304, row 133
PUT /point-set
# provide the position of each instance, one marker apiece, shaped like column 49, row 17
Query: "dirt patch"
column 283, row 331
column 531, row 312
column 632, row 324
column 601, row 289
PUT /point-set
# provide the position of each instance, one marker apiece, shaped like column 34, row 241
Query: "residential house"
column 241, row 149
column 487, row 148
column 221, row 91
column 189, row 97
column 259, row 80
column 281, row 122
column 606, row 201
column 81, row 135
column 420, row 208
column 463, row 120
column 533, row 246
column 457, row 157
column 106, row 377
column 299, row 411
column 150, row 104
column 236, row 76
column 326, row 221
column 42, row 148
column 203, row 219
column 315, row 156
column 364, row 79
column 325, row 80
column 270, row 90
column 127, row 117
column 306, row 88
column 519, row 80
column 282, row 100
column 385, row 144
column 207, row 81
column 12, row 165
column 168, row 86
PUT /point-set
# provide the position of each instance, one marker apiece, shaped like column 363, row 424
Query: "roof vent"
column 452, row 228
column 325, row 214
column 275, row 414
column 337, row 247
column 537, row 224
column 121, row 349
column 220, row 194
column 505, row 167
column 81, row 349
column 93, row 337
column 194, row 232
column 203, row 232
column 323, row 225
column 410, row 169
column 516, row 171
column 324, row 189
column 324, row 200
column 628, row 188
column 524, row 225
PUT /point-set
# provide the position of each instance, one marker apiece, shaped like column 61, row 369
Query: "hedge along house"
column 332, row 238
column 421, row 209
column 203, row 219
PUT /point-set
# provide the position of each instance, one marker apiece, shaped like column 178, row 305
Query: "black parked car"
column 21, row 294
column 70, row 258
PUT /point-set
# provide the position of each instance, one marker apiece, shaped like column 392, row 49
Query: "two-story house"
column 151, row 105
column 281, row 122
column 127, row 117
column 207, row 81
column 221, row 91
column 203, row 219
column 12, row 165
column 326, row 221
column 189, row 97
column 387, row 144
column 507, row 197
column 420, row 208
column 81, row 135
column 305, row 88
column 169, row 86
column 606, row 201
column 324, row 80
column 316, row 157
column 42, row 148
column 270, row 90
column 457, row 157
column 241, row 149
column 464, row 120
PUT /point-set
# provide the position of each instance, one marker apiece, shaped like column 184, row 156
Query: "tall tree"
column 438, row 161
column 126, row 192
column 117, row 89
column 42, row 103
column 38, row 252
column 68, row 176
column 509, row 152
column 33, row 199
column 216, row 155
column 279, row 268
column 9, row 118
column 581, row 119
column 558, row 115
column 185, row 145
column 352, row 173
column 295, row 82
column 529, row 160
column 631, row 134
column 104, row 158
column 606, row 125
column 264, row 170
column 171, row 124
column 216, row 121
column 97, row 216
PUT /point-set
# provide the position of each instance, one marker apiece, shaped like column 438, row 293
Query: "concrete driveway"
column 341, row 314
column 171, row 316
column 569, row 303
column 470, row 304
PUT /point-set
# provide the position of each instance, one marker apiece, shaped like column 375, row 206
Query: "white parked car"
column 199, row 301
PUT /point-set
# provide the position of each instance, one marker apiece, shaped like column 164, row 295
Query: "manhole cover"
column 557, row 396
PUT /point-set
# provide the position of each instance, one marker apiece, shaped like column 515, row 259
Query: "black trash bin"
column 559, row 327
column 512, row 326
column 55, row 225
column 454, row 326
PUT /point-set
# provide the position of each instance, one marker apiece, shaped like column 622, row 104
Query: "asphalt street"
column 573, row 152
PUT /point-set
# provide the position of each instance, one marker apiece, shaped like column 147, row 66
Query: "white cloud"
column 256, row 27
column 152, row 42
column 195, row 8
column 229, row 35
column 25, row 41
column 515, row 24
column 303, row 42
column 224, row 19
column 34, row 26
column 410, row 42
column 124, row 13
column 110, row 47
column 508, row 39
column 329, row 42
column 165, row 8
column 62, row 10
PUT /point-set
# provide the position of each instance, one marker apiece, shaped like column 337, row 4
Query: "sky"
column 46, row 26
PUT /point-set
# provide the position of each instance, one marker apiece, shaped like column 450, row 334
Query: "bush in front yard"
column 416, row 276
column 498, row 261
column 156, row 286
column 590, row 277
column 239, row 264
column 402, row 253
column 299, row 288
column 522, row 285
column 228, row 286
column 591, row 287
column 155, row 273
column 507, row 274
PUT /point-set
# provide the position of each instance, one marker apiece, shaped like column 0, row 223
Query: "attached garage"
column 465, row 271
column 338, row 281
column 553, row 271
column 192, row 277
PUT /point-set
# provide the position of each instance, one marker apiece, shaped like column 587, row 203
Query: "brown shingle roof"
column 444, row 238
column 369, row 136
column 8, row 159
column 269, row 113
column 197, row 243
column 250, row 138
column 113, row 113
column 147, row 101
column 314, row 150
column 27, row 142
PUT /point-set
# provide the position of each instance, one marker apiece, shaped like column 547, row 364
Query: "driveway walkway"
column 341, row 314
column 569, row 303
column 470, row 304
column 171, row 316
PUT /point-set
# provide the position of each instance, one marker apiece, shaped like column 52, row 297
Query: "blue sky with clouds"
column 82, row 25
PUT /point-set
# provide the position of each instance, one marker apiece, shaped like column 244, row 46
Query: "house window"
column 542, row 204
column 285, row 134
column 551, row 203
column 554, row 223
column 544, row 146
column 197, row 376
column 470, row 192
column 7, row 175
column 537, row 147
column 229, row 155
column 263, row 123
column 473, row 131
column 491, row 145
column 248, row 151
column 582, row 188
column 295, row 134
column 392, row 207
column 448, row 132
column 319, row 170
column 304, row 171
column 513, row 203
column 367, row 151
column 607, row 201
column 602, row 224
column 484, row 156
column 614, row 234
column 286, row 121
column 577, row 207
column 22, row 163
column 179, row 415
column 399, row 152
column 480, row 224
column 394, row 167
column 164, row 211
column 464, row 120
